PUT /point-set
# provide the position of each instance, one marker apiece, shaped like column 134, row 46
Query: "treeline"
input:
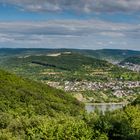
column 48, row 65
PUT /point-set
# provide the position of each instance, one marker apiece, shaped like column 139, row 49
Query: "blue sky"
column 86, row 24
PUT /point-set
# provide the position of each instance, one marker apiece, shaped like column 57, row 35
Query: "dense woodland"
column 104, row 54
column 31, row 110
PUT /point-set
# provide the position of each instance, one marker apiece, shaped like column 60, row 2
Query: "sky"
column 84, row 24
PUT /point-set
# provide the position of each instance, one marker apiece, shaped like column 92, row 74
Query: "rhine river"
column 103, row 107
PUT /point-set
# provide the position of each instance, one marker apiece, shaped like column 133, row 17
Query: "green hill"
column 111, row 54
column 63, row 66
column 70, row 62
column 73, row 66
column 27, row 97
column 106, row 54
column 33, row 111
column 71, row 72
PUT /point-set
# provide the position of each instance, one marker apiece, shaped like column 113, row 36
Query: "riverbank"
column 111, row 103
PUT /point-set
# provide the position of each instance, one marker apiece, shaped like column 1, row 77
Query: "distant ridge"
column 106, row 54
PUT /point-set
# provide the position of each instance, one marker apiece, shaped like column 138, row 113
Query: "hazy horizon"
column 68, row 48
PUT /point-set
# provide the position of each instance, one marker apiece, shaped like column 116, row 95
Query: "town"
column 119, row 88
column 130, row 66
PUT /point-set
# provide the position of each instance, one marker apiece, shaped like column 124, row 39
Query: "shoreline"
column 111, row 103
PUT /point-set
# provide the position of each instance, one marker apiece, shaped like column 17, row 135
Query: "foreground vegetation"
column 33, row 111
column 22, row 96
column 118, row 125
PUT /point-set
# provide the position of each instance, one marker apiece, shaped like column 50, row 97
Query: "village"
column 118, row 88
column 131, row 66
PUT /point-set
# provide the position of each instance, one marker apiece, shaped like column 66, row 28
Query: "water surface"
column 103, row 106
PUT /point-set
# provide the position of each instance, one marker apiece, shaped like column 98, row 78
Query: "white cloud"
column 69, row 33
column 71, row 28
column 113, row 34
column 86, row 6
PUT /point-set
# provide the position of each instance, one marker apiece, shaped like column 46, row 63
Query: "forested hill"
column 106, row 54
column 23, row 96
column 132, row 60
column 111, row 54
column 64, row 61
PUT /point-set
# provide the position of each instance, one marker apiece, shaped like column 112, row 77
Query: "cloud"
column 86, row 6
column 69, row 34
column 70, row 28
column 113, row 34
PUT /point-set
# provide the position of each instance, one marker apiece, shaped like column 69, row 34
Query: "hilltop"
column 65, row 66
column 106, row 54
column 65, row 61
column 111, row 55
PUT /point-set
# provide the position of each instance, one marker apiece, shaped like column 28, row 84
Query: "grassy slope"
column 25, row 97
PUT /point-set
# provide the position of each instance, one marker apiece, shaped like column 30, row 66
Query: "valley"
column 91, row 79
column 66, row 95
column 69, row 69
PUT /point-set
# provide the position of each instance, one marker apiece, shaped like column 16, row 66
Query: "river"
column 90, row 107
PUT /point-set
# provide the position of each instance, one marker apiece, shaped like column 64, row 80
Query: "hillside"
column 62, row 66
column 64, row 61
column 131, row 60
column 106, row 54
column 29, row 110
column 66, row 66
column 25, row 97
column 34, row 111
column 111, row 54
column 86, row 78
